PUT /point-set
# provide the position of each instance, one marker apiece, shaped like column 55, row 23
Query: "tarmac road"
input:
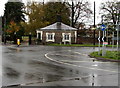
column 55, row 66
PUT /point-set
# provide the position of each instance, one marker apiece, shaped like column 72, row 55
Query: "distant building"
column 57, row 33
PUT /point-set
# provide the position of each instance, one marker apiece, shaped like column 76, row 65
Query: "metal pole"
column 94, row 24
column 117, row 36
column 103, row 47
column 118, row 27
column 99, row 43
column 107, row 36
column 72, row 14
column 113, row 40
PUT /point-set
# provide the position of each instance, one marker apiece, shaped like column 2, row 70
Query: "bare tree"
column 110, row 10
column 80, row 11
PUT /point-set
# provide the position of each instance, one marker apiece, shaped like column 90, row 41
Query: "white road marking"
column 89, row 59
column 81, row 53
column 46, row 55
column 64, row 55
column 95, row 65
column 82, row 61
column 73, row 61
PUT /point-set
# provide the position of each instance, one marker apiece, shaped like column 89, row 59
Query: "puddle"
column 33, row 76
column 42, row 77
column 38, row 63
column 15, row 50
column 16, row 59
column 11, row 73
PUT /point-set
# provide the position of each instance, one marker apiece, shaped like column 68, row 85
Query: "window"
column 50, row 37
column 66, row 37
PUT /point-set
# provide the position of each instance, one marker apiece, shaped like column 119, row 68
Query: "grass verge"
column 84, row 45
column 114, row 55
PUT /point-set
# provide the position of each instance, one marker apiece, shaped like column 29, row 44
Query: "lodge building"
column 57, row 33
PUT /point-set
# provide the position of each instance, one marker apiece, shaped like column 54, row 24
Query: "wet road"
column 56, row 66
column 0, row 65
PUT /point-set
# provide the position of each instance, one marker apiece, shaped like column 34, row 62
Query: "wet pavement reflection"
column 28, row 65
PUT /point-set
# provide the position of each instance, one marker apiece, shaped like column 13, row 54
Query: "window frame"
column 41, row 33
column 65, row 39
column 52, row 38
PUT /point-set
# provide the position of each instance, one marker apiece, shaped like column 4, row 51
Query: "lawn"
column 115, row 55
column 84, row 45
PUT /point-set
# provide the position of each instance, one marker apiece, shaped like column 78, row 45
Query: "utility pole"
column 118, row 27
column 94, row 25
column 72, row 13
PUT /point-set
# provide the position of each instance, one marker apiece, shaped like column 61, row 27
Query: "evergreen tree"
column 14, row 15
column 14, row 12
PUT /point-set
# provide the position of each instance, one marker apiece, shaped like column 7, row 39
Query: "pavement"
column 0, row 66
column 56, row 66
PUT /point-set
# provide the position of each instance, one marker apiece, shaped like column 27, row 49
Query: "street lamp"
column 117, row 29
column 94, row 25
column 72, row 13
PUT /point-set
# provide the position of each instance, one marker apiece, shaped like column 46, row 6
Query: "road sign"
column 103, row 27
column 105, row 43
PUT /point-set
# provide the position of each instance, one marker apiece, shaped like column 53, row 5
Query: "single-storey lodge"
column 57, row 33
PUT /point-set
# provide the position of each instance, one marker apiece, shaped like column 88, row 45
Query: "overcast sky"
column 98, row 2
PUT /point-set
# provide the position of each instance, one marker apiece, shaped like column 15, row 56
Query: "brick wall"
column 58, row 36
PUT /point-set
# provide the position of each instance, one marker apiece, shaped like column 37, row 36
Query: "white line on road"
column 79, row 61
column 81, row 53
column 46, row 55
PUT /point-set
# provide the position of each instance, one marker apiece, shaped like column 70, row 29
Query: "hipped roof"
column 58, row 26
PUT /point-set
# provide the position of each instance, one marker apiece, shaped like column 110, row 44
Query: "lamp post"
column 94, row 25
column 118, row 27
column 72, row 13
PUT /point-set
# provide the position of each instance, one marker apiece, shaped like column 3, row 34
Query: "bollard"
column 18, row 42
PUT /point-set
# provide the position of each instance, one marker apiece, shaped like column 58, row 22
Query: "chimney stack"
column 59, row 18
column 59, row 21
